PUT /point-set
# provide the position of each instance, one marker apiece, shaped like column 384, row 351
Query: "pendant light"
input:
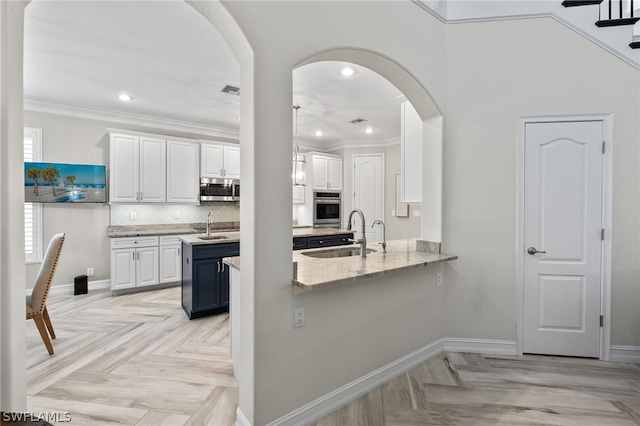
column 299, row 163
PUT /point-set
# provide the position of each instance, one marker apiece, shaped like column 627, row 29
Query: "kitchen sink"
column 337, row 252
column 212, row 237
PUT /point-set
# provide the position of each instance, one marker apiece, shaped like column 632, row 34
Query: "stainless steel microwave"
column 218, row 189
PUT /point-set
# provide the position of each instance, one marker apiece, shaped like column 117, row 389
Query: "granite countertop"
column 233, row 237
column 317, row 273
column 118, row 231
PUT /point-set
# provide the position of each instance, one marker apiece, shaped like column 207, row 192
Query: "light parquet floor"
column 483, row 390
column 132, row 360
column 137, row 360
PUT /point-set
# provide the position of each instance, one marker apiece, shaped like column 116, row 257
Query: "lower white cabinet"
column 170, row 259
column 138, row 262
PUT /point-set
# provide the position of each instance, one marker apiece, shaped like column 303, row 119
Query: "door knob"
column 532, row 250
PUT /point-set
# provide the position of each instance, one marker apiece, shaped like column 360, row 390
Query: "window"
column 32, row 211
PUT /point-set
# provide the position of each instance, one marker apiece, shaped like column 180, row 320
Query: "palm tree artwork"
column 34, row 174
column 51, row 175
column 71, row 179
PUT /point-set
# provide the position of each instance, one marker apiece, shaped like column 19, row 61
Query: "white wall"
column 498, row 72
column 306, row 363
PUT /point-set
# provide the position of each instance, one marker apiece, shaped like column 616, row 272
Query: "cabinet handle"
column 133, row 256
column 218, row 267
column 178, row 251
column 222, row 263
column 321, row 242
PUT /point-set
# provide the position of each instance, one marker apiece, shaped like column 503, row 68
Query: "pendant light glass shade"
column 299, row 163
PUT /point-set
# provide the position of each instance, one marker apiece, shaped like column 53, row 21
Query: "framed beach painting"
column 64, row 183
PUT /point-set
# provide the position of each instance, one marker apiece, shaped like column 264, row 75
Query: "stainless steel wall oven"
column 327, row 209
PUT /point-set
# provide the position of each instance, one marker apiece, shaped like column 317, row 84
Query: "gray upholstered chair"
column 36, row 302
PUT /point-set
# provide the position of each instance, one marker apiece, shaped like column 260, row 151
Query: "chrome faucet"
column 362, row 241
column 384, row 238
column 208, row 223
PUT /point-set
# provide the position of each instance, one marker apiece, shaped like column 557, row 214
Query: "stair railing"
column 618, row 10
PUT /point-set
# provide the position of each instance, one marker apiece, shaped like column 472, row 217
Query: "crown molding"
column 347, row 144
column 128, row 118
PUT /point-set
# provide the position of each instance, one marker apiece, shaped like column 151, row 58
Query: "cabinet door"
column 123, row 268
column 170, row 263
column 211, row 160
column 183, row 172
column 298, row 194
column 123, row 169
column 224, row 283
column 152, row 170
column 147, row 266
column 232, row 162
column 411, row 154
column 206, row 291
column 320, row 178
column 334, row 172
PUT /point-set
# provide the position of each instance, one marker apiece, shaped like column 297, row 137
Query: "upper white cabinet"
column 326, row 172
column 153, row 169
column 411, row 156
column 137, row 169
column 219, row 160
column 183, row 177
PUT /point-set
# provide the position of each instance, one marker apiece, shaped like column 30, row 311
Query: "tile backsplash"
column 150, row 214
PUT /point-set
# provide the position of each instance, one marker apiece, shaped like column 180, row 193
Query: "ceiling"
column 80, row 55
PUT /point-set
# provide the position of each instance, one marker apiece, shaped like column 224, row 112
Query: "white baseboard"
column 241, row 419
column 480, row 346
column 69, row 288
column 626, row 354
column 332, row 401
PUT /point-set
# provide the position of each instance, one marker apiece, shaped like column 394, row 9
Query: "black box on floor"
column 80, row 285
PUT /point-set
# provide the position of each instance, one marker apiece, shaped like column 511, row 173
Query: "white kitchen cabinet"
column 219, row 160
column 170, row 259
column 134, row 262
column 326, row 172
column 298, row 194
column 183, row 172
column 411, row 142
column 136, row 169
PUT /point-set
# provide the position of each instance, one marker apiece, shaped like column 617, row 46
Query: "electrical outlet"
column 176, row 214
column 134, row 216
column 439, row 279
column 416, row 213
column 89, row 272
column 393, row 212
column 298, row 317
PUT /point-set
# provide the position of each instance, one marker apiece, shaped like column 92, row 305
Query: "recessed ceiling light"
column 368, row 130
column 319, row 133
column 125, row 97
column 346, row 71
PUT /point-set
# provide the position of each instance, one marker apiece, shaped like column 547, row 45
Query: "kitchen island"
column 205, row 277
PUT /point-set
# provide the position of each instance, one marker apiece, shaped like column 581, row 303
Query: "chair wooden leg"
column 42, row 328
column 47, row 322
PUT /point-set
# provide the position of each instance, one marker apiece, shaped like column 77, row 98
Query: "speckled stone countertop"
column 318, row 273
column 117, row 231
column 233, row 237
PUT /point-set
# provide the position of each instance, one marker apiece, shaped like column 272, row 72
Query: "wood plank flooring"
column 133, row 360
column 137, row 360
column 473, row 389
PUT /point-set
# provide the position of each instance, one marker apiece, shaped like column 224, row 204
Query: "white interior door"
column 368, row 194
column 562, row 238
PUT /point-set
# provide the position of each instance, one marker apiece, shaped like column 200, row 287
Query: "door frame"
column 384, row 182
column 607, row 224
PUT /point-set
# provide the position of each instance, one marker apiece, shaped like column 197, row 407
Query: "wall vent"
column 358, row 120
column 232, row 90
